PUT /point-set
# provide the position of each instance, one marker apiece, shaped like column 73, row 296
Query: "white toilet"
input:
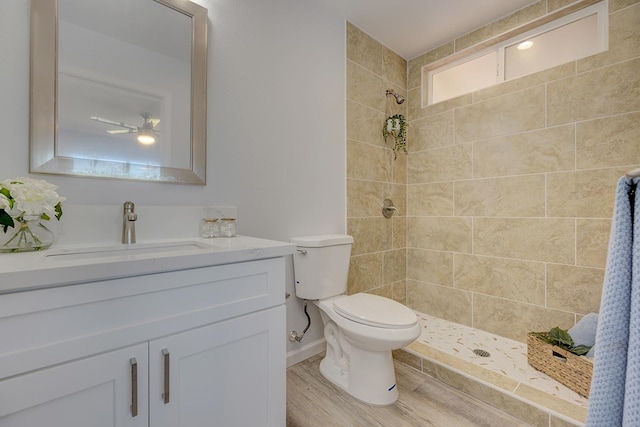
column 361, row 329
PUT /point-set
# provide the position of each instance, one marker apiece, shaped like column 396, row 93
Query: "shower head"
column 399, row 98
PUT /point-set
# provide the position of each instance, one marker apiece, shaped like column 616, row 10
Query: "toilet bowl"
column 358, row 358
column 361, row 330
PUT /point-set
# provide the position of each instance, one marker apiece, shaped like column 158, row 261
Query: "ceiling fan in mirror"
column 146, row 133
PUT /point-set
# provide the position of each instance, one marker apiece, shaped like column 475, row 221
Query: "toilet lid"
column 374, row 310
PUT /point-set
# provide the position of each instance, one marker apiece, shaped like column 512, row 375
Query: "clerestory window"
column 569, row 38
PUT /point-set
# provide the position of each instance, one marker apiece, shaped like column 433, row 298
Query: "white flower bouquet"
column 24, row 201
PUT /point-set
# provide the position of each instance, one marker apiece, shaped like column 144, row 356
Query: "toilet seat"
column 374, row 310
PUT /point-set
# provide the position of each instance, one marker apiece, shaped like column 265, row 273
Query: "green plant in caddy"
column 396, row 127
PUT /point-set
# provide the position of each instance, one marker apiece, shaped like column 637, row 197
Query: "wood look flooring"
column 424, row 401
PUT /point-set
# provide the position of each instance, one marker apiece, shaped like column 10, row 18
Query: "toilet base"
column 367, row 376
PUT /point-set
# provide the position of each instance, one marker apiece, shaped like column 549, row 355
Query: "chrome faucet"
column 129, row 223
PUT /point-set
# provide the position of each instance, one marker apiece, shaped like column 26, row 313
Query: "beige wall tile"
column 535, row 239
column 599, row 93
column 582, row 194
column 365, row 273
column 546, row 400
column 399, row 291
column 615, row 5
column 369, row 234
column 559, row 422
column 408, row 358
column 414, row 104
column 524, row 82
column 415, row 65
column 415, row 110
column 399, row 229
column 399, row 165
column 514, row 20
column 365, row 87
column 439, row 233
column 391, row 106
column 519, row 409
column 592, row 242
column 519, row 196
column 430, row 266
column 624, row 40
column 440, row 164
column 383, row 291
column 574, row 289
column 397, row 193
column 394, row 265
column 512, row 279
column 394, row 68
column 365, row 161
column 543, row 150
column 514, row 320
column 558, row 4
column 363, row 49
column 440, row 301
column 431, row 132
column 504, row 115
column 364, row 124
column 363, row 198
column 430, row 199
column 611, row 141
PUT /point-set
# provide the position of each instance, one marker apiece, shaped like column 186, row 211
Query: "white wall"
column 276, row 123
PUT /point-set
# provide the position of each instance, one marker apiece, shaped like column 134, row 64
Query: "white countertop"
column 65, row 265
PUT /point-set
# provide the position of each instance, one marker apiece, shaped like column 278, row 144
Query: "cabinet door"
column 93, row 392
column 231, row 373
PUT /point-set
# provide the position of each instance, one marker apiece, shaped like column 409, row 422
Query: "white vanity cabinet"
column 195, row 347
column 224, row 373
column 96, row 391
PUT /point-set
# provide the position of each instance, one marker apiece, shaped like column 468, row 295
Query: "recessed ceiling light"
column 525, row 45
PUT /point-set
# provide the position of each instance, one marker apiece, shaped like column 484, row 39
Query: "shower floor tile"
column 506, row 367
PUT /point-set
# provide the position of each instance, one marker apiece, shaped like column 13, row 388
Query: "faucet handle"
column 128, row 207
column 388, row 209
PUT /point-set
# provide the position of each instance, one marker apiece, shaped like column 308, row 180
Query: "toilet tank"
column 321, row 265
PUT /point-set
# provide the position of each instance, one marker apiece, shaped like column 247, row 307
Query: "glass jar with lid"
column 227, row 227
column 209, row 228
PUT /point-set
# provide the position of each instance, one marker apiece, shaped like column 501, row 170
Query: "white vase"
column 393, row 125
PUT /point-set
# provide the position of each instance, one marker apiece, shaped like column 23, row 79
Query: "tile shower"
column 506, row 194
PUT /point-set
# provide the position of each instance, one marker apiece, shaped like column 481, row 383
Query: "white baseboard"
column 306, row 351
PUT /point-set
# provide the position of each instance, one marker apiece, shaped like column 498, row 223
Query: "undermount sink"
column 102, row 252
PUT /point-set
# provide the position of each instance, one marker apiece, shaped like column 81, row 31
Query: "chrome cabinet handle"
column 165, row 394
column 134, row 386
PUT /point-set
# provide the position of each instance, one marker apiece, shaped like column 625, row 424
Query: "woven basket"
column 563, row 366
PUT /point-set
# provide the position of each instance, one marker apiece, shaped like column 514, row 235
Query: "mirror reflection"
column 131, row 101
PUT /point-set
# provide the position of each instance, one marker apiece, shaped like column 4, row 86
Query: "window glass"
column 568, row 38
column 466, row 77
column 567, row 43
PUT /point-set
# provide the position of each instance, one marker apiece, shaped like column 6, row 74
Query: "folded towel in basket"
column 584, row 332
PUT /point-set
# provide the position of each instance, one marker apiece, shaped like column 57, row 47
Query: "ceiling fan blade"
column 154, row 122
column 114, row 123
column 122, row 131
